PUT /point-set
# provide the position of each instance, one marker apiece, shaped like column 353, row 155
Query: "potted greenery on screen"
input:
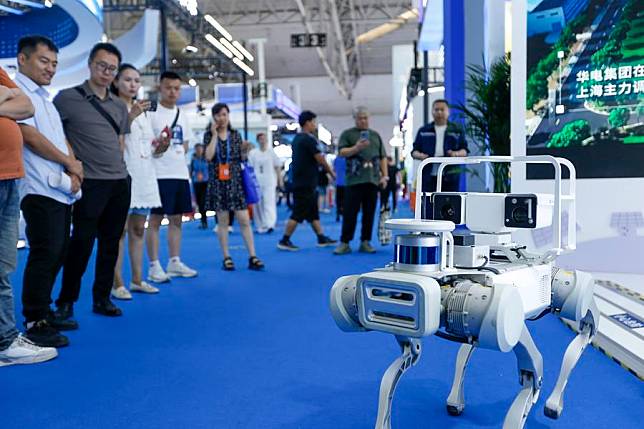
column 487, row 115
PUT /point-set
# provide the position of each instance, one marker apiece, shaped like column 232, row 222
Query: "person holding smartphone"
column 173, row 179
column 366, row 172
column 141, row 145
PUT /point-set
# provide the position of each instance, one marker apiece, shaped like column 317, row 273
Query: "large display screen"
column 585, row 88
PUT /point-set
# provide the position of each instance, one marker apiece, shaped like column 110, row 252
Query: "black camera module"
column 521, row 211
column 449, row 207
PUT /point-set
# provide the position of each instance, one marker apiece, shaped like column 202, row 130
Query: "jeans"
column 99, row 215
column 48, row 224
column 362, row 196
column 9, row 217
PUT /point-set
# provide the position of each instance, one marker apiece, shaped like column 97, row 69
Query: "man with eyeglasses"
column 95, row 122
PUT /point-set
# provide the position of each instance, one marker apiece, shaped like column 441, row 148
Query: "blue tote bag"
column 251, row 185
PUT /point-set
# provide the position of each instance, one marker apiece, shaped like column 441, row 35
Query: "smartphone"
column 153, row 106
column 364, row 135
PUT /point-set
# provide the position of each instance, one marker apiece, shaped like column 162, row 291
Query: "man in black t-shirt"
column 306, row 158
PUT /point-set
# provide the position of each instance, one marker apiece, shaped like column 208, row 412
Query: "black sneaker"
column 106, row 307
column 61, row 324
column 286, row 244
column 324, row 241
column 44, row 335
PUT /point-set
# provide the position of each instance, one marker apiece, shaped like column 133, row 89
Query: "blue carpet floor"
column 260, row 350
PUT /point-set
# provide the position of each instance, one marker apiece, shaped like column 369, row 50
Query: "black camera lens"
column 520, row 215
column 447, row 212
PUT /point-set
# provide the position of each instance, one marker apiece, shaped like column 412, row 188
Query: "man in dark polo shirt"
column 366, row 160
column 95, row 122
column 306, row 158
column 440, row 138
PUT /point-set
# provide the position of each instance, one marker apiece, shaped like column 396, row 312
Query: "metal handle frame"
column 568, row 198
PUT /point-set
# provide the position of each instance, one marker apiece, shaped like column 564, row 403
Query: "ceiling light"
column 218, row 45
column 192, row 82
column 29, row 3
column 191, row 48
column 231, row 48
column 243, row 50
column 212, row 21
column 190, row 6
column 49, row 3
column 249, row 71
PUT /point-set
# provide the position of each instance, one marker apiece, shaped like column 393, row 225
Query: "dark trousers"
column 339, row 202
column 100, row 214
column 363, row 196
column 48, row 223
column 384, row 197
column 200, row 196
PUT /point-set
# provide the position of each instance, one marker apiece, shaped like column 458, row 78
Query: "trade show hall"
column 310, row 214
column 251, row 349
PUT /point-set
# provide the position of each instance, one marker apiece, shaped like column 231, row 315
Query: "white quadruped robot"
column 475, row 287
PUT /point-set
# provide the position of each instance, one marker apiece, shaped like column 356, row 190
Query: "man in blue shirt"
column 440, row 138
column 47, row 207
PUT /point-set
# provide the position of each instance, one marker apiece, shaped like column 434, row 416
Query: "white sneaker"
column 179, row 269
column 143, row 288
column 121, row 293
column 23, row 351
column 157, row 275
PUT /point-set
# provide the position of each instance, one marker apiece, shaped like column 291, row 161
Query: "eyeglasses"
column 106, row 68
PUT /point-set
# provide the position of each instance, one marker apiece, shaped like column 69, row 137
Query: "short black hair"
column 260, row 134
column 440, row 100
column 170, row 75
column 28, row 44
column 306, row 116
column 107, row 47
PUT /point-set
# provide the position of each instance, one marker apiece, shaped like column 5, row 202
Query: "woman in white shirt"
column 140, row 146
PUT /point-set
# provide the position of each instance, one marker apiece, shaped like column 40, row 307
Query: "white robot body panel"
column 399, row 303
column 533, row 284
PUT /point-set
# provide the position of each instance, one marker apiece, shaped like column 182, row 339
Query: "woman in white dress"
column 140, row 146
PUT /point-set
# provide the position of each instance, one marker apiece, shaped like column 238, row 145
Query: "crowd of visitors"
column 98, row 165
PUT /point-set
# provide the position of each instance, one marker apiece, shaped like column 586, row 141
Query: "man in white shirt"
column 46, row 206
column 174, row 181
column 267, row 169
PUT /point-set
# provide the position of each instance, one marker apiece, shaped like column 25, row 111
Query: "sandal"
column 228, row 264
column 255, row 264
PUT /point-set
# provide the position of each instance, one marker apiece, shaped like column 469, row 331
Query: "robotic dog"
column 475, row 287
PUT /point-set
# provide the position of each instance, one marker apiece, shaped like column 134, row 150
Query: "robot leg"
column 530, row 365
column 411, row 350
column 456, row 398
column 572, row 299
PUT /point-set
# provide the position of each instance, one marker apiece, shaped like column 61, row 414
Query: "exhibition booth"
column 529, row 275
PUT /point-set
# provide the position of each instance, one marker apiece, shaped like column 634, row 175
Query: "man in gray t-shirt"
column 95, row 122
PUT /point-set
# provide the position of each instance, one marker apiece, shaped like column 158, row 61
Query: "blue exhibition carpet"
column 260, row 350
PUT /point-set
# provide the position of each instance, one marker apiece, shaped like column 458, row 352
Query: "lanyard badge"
column 224, row 167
